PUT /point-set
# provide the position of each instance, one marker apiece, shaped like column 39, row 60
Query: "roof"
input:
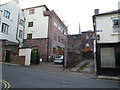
column 107, row 13
column 37, row 7
column 55, row 15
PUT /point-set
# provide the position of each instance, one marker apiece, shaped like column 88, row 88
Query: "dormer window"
column 6, row 14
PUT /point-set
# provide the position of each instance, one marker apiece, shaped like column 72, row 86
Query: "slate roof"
column 110, row 12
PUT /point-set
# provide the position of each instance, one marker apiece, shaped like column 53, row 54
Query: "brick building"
column 88, row 38
column 45, row 31
column 80, row 46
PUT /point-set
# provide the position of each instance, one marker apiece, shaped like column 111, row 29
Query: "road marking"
column 6, row 84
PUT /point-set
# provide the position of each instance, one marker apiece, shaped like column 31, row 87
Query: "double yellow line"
column 6, row 84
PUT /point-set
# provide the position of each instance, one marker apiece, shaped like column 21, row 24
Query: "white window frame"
column 6, row 14
column 5, row 28
column 20, row 34
column 116, row 26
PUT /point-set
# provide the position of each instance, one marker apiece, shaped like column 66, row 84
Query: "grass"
column 82, row 67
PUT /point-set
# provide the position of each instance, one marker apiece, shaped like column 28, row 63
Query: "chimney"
column 17, row 1
column 96, row 11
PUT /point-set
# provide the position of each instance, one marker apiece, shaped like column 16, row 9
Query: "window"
column 54, row 51
column 29, row 36
column 22, row 22
column 30, row 24
column 6, row 14
column 20, row 34
column 108, row 57
column 58, row 38
column 116, row 26
column 116, row 22
column 31, row 11
column 59, row 27
column 87, row 37
column 55, row 24
column 5, row 28
column 62, row 41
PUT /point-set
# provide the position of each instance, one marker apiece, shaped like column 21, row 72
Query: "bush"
column 33, row 56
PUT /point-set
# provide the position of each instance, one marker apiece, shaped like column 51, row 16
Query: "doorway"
column 7, row 56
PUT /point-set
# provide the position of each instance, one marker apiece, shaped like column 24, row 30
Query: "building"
column 107, row 28
column 11, row 30
column 45, row 31
column 88, row 38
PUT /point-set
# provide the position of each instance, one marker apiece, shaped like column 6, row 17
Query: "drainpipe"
column 48, row 39
column 18, row 29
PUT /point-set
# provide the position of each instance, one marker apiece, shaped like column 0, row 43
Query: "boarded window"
column 108, row 57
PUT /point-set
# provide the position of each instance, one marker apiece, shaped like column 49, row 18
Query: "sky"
column 73, row 12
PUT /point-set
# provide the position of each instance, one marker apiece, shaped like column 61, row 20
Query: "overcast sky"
column 73, row 12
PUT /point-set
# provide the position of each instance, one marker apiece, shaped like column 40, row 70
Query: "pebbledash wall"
column 11, row 29
column 47, row 31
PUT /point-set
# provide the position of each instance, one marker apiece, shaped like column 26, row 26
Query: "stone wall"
column 74, row 46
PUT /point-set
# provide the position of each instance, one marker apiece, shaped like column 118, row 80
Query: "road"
column 23, row 77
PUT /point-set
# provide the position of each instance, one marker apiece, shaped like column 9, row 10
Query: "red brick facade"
column 87, row 40
column 7, row 50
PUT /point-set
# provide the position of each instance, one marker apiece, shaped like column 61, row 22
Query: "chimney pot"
column 96, row 11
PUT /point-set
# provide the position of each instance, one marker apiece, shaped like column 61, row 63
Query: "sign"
column 99, row 30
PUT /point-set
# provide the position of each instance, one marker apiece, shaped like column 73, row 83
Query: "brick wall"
column 40, row 44
column 74, row 46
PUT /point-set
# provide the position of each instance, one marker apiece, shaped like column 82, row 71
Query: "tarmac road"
column 23, row 77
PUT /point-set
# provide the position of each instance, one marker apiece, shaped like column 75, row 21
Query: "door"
column 7, row 56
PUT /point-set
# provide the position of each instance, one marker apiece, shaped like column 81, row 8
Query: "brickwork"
column 41, row 44
column 74, row 46
column 4, row 48
column 87, row 40
column 56, row 36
